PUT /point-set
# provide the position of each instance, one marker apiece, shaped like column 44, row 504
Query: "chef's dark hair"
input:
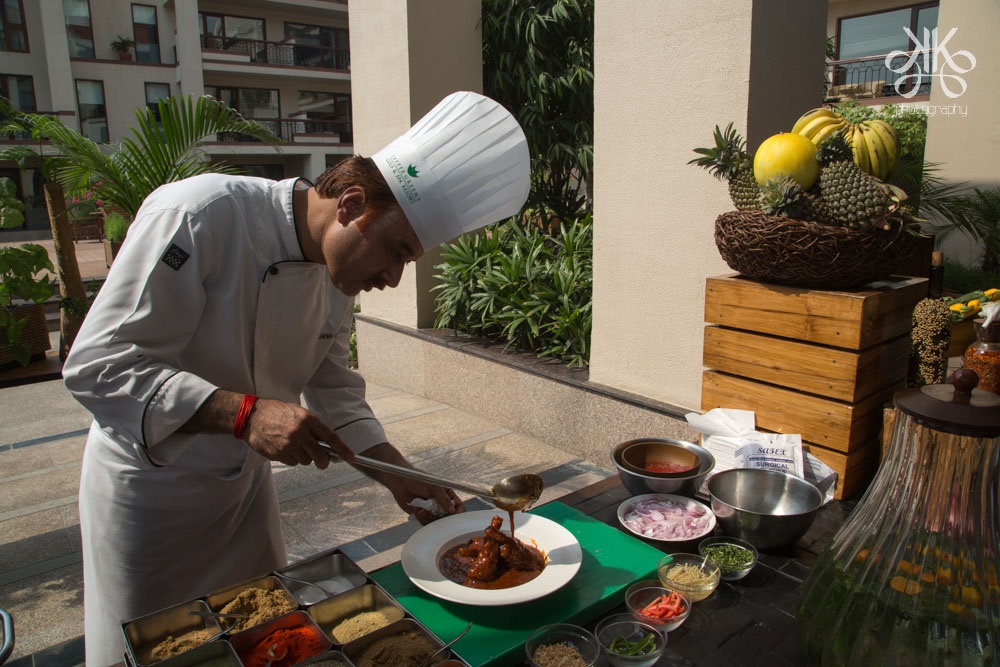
column 357, row 170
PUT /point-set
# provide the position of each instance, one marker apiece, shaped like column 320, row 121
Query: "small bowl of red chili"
column 652, row 603
column 662, row 465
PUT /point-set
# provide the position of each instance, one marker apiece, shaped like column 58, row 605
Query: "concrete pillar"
column 61, row 87
column 406, row 55
column 665, row 74
column 961, row 138
column 190, row 76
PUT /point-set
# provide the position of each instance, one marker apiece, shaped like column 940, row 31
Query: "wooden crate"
column 822, row 364
column 837, row 425
column 850, row 319
column 831, row 372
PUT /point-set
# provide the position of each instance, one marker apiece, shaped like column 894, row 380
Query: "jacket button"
column 273, row 270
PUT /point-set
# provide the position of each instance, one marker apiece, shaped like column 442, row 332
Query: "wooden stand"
column 819, row 363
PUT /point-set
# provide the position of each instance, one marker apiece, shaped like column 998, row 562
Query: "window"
column 13, row 35
column 154, row 93
column 253, row 103
column 879, row 34
column 147, row 37
column 219, row 31
column 20, row 90
column 78, row 28
column 332, row 46
column 328, row 113
column 93, row 114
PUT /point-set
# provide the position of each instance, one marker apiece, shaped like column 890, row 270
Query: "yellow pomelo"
column 786, row 154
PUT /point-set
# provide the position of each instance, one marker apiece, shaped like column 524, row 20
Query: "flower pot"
column 111, row 249
column 34, row 335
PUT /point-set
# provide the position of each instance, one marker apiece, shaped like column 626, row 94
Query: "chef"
column 219, row 344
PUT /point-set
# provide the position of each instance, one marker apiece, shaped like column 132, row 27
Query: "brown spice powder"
column 260, row 604
column 359, row 625
column 172, row 646
column 558, row 655
column 407, row 649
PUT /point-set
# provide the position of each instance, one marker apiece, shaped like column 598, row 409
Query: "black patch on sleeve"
column 175, row 257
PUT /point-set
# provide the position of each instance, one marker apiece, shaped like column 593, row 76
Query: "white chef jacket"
column 210, row 290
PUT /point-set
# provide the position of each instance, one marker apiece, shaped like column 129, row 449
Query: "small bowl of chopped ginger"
column 562, row 644
column 697, row 576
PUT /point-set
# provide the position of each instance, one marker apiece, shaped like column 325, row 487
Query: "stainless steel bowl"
column 638, row 482
column 767, row 508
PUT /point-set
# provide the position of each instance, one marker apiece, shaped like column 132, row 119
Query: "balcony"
column 299, row 130
column 284, row 54
column 872, row 78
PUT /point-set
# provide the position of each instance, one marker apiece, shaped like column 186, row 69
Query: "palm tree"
column 164, row 146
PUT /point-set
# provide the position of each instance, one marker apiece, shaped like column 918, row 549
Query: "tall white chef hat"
column 462, row 166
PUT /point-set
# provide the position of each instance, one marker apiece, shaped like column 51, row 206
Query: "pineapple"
column 785, row 197
column 849, row 197
column 728, row 160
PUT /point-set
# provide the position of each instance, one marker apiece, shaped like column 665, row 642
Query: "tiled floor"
column 42, row 434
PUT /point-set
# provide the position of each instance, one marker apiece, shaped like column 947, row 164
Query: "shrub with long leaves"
column 522, row 286
column 163, row 147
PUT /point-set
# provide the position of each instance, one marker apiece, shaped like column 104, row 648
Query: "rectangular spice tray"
column 332, row 570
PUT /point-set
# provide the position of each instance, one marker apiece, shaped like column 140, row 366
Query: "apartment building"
column 285, row 64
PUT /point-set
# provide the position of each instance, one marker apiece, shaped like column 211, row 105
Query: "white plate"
column 424, row 549
column 626, row 507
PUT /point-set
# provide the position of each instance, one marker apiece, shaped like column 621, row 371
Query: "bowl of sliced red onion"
column 665, row 517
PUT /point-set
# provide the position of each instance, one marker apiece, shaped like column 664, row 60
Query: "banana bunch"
column 817, row 125
column 874, row 142
column 876, row 147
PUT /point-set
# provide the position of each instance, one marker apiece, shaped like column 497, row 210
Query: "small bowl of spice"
column 562, row 645
column 663, row 608
column 695, row 575
column 734, row 557
column 629, row 642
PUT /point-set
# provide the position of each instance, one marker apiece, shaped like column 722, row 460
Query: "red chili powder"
column 301, row 643
column 667, row 467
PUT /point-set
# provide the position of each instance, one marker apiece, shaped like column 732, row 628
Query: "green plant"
column 115, row 227
column 11, row 208
column 122, row 45
column 163, row 148
column 538, row 62
column 977, row 215
column 961, row 278
column 522, row 286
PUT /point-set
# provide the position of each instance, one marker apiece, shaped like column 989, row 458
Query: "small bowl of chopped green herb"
column 627, row 642
column 734, row 557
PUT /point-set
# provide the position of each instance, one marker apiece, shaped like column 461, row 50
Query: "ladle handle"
column 416, row 474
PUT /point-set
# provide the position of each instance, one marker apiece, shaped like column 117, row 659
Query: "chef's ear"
column 351, row 204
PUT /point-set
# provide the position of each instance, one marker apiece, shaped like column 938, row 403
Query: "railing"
column 872, row 76
column 280, row 53
column 287, row 129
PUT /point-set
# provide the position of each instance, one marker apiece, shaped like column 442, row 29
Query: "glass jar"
column 911, row 578
column 983, row 356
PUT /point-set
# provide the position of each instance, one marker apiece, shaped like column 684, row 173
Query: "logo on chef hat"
column 404, row 178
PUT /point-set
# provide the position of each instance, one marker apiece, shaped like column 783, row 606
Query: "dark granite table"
column 745, row 622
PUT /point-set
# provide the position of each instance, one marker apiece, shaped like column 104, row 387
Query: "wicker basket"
column 809, row 254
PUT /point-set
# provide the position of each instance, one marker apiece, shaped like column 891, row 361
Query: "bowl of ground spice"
column 293, row 638
column 356, row 613
column 405, row 643
column 562, row 645
column 260, row 601
column 734, row 557
column 169, row 632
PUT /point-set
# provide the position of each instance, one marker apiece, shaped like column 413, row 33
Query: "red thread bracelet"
column 246, row 407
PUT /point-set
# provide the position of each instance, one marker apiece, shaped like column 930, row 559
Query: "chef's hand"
column 291, row 434
column 405, row 489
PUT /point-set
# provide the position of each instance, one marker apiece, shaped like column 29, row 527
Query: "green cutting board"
column 612, row 561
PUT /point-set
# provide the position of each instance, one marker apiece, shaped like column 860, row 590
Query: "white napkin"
column 730, row 435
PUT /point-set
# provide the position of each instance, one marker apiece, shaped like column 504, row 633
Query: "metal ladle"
column 512, row 494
